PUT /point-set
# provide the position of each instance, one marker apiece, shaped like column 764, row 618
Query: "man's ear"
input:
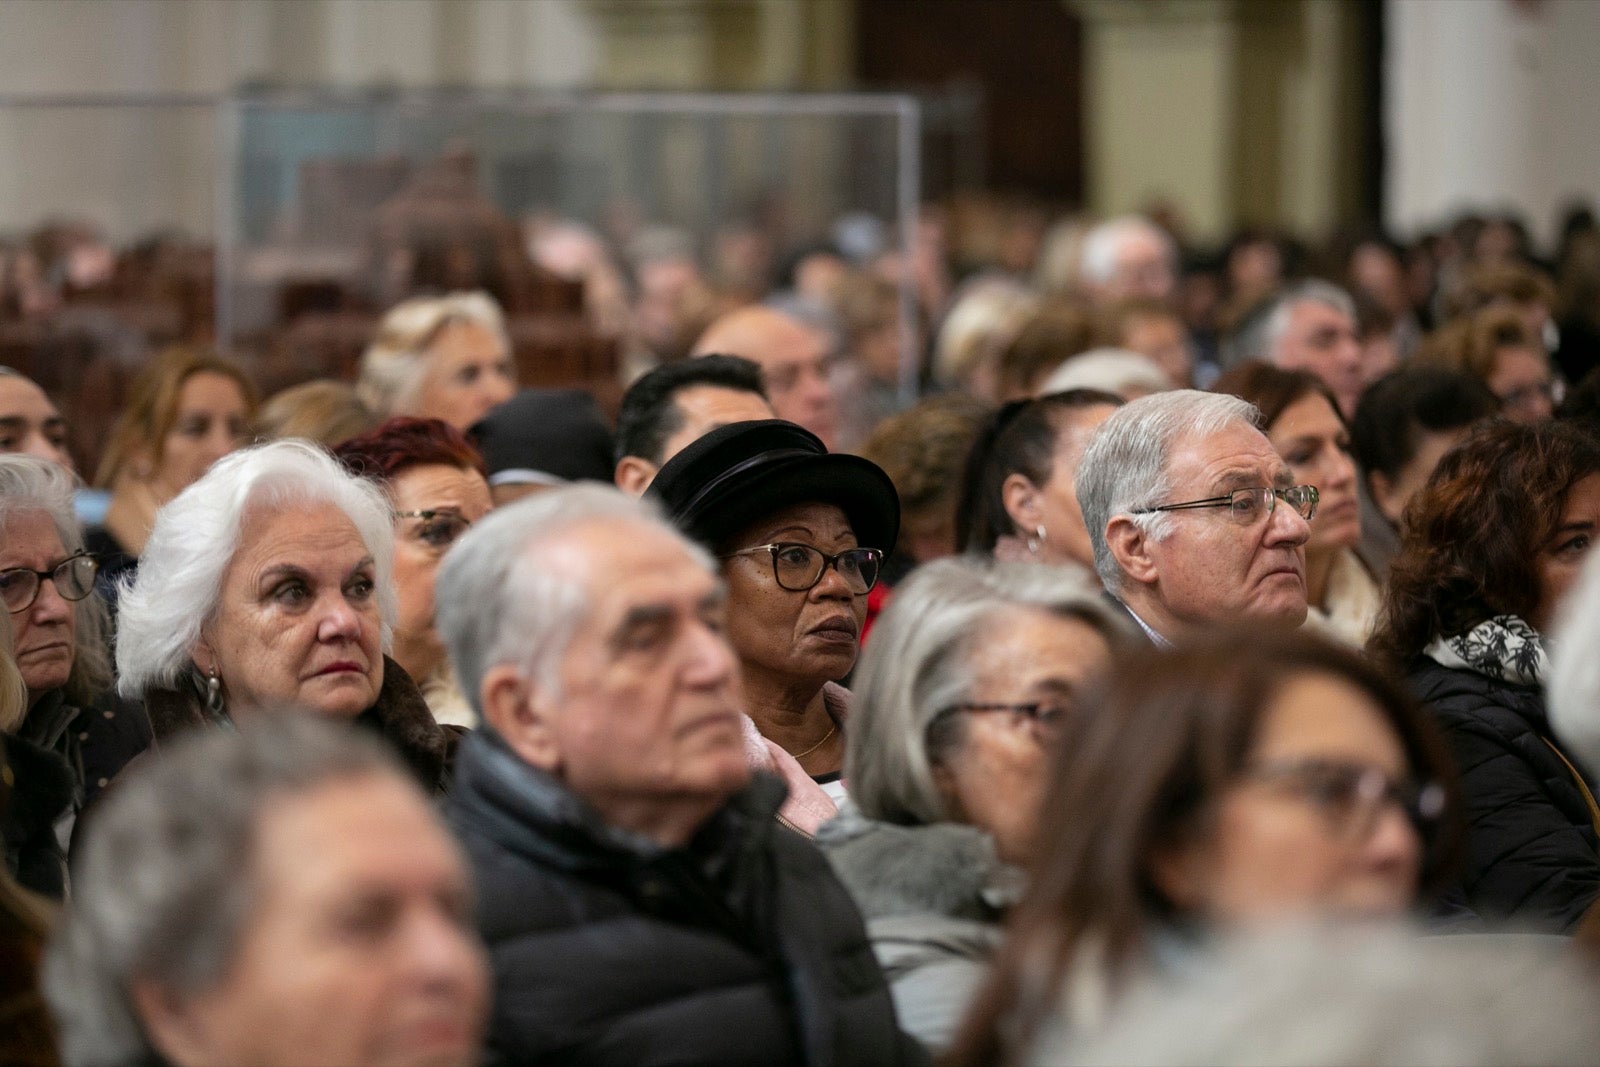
column 1130, row 547
column 511, row 705
column 172, row 1024
column 1021, row 499
column 634, row 474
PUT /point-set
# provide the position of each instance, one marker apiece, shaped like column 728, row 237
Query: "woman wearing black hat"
column 801, row 535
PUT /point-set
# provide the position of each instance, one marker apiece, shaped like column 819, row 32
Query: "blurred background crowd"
column 1126, row 467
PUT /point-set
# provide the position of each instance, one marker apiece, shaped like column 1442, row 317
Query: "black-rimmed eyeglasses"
column 1351, row 797
column 73, row 578
column 798, row 567
column 1248, row 506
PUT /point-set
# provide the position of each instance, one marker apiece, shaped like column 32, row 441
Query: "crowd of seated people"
column 1204, row 614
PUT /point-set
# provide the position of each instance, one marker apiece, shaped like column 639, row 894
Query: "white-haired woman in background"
column 972, row 673
column 276, row 896
column 445, row 357
column 268, row 583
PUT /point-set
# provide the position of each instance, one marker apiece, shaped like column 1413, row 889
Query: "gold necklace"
column 819, row 744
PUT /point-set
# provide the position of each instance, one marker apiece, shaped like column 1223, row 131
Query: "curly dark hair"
column 1471, row 538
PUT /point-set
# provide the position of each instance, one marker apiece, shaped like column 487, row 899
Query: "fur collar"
column 400, row 715
column 946, row 868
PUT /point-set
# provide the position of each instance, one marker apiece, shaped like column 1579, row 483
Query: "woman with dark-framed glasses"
column 974, row 671
column 1247, row 779
column 436, row 482
column 802, row 534
column 72, row 738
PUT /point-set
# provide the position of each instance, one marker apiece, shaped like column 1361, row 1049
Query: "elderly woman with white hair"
column 277, row 896
column 268, row 583
column 445, row 357
column 973, row 672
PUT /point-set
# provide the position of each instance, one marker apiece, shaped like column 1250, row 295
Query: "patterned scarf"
column 1503, row 647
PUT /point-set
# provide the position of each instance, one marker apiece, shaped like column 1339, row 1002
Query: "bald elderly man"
column 793, row 356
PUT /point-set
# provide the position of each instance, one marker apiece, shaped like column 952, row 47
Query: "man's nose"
column 1287, row 525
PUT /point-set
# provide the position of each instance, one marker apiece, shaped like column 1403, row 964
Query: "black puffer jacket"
column 1532, row 855
column 742, row 948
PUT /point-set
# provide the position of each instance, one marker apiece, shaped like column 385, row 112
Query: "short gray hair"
column 496, row 601
column 165, row 607
column 1103, row 244
column 1124, row 468
column 163, row 886
column 1110, row 370
column 394, row 363
column 919, row 662
column 1574, row 682
column 30, row 484
column 1259, row 338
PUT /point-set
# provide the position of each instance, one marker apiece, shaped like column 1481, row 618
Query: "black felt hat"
column 743, row 472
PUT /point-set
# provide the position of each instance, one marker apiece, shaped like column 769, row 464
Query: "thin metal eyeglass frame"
column 1226, row 501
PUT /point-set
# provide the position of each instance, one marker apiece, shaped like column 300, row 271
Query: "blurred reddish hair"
column 405, row 442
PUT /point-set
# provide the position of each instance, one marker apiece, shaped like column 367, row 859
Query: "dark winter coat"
column 1532, row 855
column 741, row 948
column 400, row 716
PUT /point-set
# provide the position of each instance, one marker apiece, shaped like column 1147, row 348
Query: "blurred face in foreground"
column 1324, row 819
column 358, row 948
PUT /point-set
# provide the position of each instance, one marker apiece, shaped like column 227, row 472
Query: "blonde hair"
column 153, row 407
column 393, row 364
column 323, row 411
column 13, row 691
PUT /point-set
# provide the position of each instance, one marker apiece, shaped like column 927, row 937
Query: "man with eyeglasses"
column 640, row 901
column 1194, row 517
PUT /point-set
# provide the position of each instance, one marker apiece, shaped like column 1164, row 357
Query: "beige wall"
column 1236, row 111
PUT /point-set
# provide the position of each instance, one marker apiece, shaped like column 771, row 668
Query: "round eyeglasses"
column 798, row 567
column 1249, row 506
column 73, row 578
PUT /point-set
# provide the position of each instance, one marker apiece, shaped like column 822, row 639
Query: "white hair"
column 30, row 484
column 167, row 604
column 164, row 885
column 919, row 662
column 1110, row 370
column 498, row 602
column 1103, row 246
column 1325, row 996
column 1574, row 683
column 1124, row 467
column 393, row 365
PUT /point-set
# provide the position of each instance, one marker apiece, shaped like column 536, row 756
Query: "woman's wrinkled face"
column 469, row 372
column 995, row 776
column 435, row 505
column 359, row 946
column 1315, row 825
column 1561, row 557
column 46, row 631
column 786, row 636
column 297, row 621
column 211, row 421
column 1312, row 439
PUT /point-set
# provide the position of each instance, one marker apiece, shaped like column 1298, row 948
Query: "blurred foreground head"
column 280, row 895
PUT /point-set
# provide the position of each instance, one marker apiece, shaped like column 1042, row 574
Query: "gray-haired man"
column 640, row 902
column 1194, row 517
